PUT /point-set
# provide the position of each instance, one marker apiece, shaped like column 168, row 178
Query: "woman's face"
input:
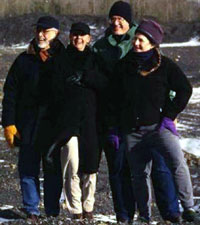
column 141, row 43
column 80, row 41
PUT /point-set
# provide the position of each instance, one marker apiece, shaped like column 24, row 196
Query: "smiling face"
column 80, row 41
column 45, row 36
column 119, row 25
column 141, row 43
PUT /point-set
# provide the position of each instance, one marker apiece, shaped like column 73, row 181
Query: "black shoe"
column 33, row 218
column 122, row 221
column 173, row 218
column 143, row 221
column 52, row 215
column 189, row 215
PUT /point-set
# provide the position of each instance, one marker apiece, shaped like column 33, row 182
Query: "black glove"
column 75, row 79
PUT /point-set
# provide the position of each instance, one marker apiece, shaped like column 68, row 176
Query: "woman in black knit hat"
column 145, row 78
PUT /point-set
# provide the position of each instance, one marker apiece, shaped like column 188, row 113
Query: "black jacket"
column 145, row 100
column 75, row 102
column 21, row 91
column 110, row 50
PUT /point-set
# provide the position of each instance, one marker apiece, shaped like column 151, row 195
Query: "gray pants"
column 140, row 144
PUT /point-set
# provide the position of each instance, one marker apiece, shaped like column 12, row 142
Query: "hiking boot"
column 88, row 215
column 33, row 218
column 78, row 216
column 189, row 215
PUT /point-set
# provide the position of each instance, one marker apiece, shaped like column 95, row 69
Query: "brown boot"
column 78, row 216
column 88, row 215
column 33, row 218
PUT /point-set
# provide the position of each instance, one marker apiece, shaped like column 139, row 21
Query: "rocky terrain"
column 19, row 30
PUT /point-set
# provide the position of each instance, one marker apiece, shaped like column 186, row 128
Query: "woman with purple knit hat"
column 145, row 78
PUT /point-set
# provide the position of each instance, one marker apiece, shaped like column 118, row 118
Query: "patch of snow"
column 191, row 43
column 6, row 166
column 195, row 96
column 16, row 46
column 2, row 220
column 191, row 145
column 5, row 207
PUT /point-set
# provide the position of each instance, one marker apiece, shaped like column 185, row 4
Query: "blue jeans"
column 164, row 188
column 120, row 182
column 142, row 150
column 29, row 170
column 121, row 185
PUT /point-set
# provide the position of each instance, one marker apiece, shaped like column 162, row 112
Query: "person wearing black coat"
column 75, row 82
column 145, row 78
column 21, row 118
column 110, row 50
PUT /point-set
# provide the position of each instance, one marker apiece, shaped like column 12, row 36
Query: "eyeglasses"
column 118, row 19
column 45, row 31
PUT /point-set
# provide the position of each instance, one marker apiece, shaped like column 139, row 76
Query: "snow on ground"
column 97, row 218
column 191, row 43
column 195, row 96
column 17, row 46
column 6, row 207
column 191, row 145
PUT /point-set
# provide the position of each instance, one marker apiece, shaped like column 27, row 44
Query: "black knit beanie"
column 122, row 9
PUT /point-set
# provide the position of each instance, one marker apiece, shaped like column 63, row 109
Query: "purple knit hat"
column 152, row 30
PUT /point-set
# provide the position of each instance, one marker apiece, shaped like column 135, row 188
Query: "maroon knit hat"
column 152, row 30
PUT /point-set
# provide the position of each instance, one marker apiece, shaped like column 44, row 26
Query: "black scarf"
column 145, row 60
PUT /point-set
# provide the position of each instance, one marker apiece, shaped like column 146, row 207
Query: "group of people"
column 64, row 106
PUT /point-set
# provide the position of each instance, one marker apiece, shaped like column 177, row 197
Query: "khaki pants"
column 79, row 189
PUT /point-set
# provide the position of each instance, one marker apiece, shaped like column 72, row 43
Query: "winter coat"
column 110, row 50
column 144, row 99
column 75, row 102
column 21, row 91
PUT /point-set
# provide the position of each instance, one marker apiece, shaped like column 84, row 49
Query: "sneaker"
column 33, row 218
column 88, row 215
column 78, row 216
column 189, row 215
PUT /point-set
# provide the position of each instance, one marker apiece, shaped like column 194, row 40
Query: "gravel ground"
column 187, row 58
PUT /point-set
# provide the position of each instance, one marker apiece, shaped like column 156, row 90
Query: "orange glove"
column 9, row 133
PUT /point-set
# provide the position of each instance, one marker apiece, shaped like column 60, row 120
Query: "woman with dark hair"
column 145, row 78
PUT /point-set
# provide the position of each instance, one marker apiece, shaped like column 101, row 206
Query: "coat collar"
column 126, row 44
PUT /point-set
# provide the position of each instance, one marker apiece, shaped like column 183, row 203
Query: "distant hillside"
column 164, row 10
column 19, row 29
